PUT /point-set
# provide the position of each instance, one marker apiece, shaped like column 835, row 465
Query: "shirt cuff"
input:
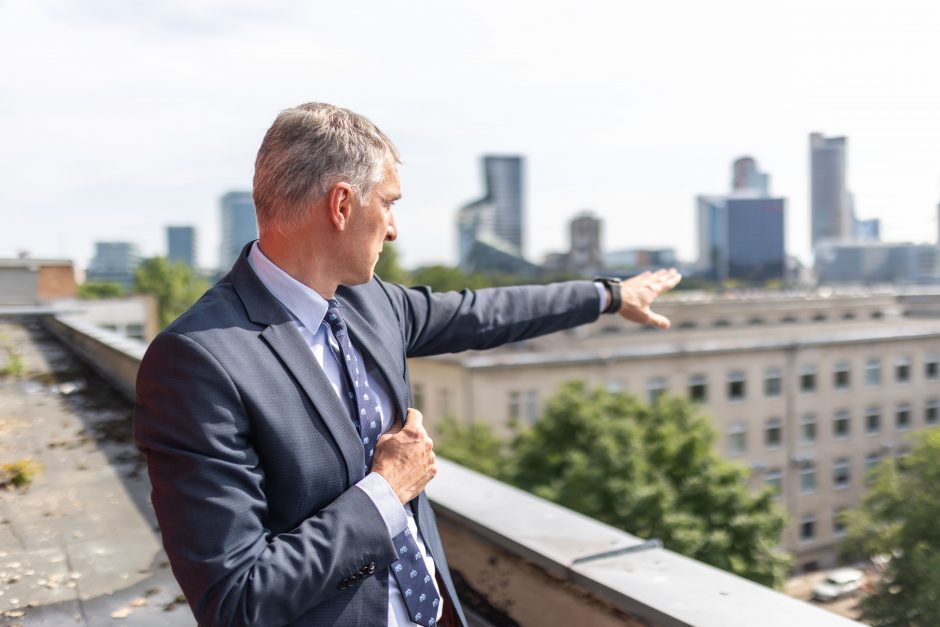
column 386, row 501
column 602, row 293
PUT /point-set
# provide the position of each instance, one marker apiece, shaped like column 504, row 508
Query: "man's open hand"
column 638, row 293
column 405, row 457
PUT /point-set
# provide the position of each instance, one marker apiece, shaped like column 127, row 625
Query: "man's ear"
column 339, row 204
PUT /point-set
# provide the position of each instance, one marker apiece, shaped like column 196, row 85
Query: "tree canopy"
column 898, row 520
column 175, row 286
column 93, row 290
column 649, row 470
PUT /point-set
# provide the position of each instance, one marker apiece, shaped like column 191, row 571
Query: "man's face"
column 370, row 226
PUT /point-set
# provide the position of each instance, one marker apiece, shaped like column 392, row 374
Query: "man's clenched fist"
column 405, row 458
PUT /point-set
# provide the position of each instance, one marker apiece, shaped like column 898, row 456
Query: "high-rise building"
column 181, row 245
column 497, row 218
column 741, row 236
column 114, row 262
column 746, row 176
column 239, row 226
column 586, row 257
column 830, row 201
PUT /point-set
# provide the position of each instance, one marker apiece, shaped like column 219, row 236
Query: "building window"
column 808, row 429
column 614, row 386
column 773, row 479
column 808, row 478
column 931, row 367
column 808, row 379
column 737, row 439
column 902, row 417
column 417, row 396
column 773, row 383
column 873, row 420
column 531, row 407
column 838, row 522
column 873, row 373
column 871, row 462
column 515, row 405
column 736, row 386
column 841, row 378
column 841, row 473
column 135, row 331
column 902, row 370
column 773, row 433
column 655, row 388
column 698, row 389
column 932, row 412
column 808, row 528
column 841, row 425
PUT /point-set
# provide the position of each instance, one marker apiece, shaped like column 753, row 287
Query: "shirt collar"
column 303, row 303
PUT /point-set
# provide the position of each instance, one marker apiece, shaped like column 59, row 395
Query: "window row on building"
column 840, row 427
column 841, row 472
column 736, row 383
column 809, row 525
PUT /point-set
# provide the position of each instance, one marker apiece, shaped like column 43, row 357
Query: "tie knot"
column 334, row 319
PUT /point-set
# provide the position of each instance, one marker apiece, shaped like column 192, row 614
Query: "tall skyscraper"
column 497, row 218
column 830, row 201
column 586, row 257
column 181, row 244
column 746, row 176
column 741, row 235
column 239, row 226
column 114, row 262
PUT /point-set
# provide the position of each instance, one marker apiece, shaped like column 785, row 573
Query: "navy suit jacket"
column 254, row 459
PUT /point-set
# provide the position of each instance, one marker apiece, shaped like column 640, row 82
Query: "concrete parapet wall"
column 114, row 357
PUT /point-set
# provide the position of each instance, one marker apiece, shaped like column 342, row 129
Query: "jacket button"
column 371, row 568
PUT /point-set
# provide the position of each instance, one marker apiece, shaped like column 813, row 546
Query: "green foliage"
column 15, row 366
column 388, row 267
column 649, row 470
column 474, row 446
column 20, row 473
column 174, row 285
column 445, row 278
column 93, row 290
column 898, row 518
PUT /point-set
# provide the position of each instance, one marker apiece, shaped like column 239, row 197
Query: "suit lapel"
column 285, row 340
column 282, row 336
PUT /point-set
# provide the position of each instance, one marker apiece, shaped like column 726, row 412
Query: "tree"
column 474, row 446
column 651, row 471
column 898, row 518
column 93, row 290
column 445, row 278
column 389, row 267
column 174, row 285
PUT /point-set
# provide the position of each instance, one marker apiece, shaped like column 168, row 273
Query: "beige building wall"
column 820, row 470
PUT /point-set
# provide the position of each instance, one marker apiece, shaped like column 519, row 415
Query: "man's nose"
column 391, row 234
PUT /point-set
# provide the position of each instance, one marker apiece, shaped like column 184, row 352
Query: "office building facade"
column 497, row 218
column 741, row 235
column 114, row 262
column 239, row 226
column 832, row 217
column 181, row 245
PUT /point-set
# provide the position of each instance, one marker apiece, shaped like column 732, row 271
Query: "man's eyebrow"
column 394, row 198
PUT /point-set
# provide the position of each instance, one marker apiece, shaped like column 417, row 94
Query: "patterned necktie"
column 414, row 579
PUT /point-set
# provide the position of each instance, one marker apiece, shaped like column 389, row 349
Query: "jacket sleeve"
column 450, row 322
column 208, row 493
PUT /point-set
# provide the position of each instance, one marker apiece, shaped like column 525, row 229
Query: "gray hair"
column 307, row 150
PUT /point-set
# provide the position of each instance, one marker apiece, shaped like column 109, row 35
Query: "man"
column 288, row 469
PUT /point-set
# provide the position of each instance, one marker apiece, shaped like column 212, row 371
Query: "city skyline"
column 641, row 110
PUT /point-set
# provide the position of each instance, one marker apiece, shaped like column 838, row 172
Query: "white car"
column 838, row 583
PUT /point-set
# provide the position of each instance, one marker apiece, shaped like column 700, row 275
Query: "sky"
column 120, row 117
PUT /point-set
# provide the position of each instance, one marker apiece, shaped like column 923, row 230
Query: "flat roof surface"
column 78, row 546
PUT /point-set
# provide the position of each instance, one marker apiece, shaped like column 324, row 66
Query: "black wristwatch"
column 612, row 284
